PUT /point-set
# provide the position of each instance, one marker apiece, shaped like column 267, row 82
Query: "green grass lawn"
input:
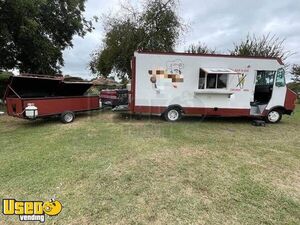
column 110, row 169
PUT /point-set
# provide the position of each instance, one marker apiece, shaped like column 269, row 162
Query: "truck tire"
column 67, row 117
column 274, row 116
column 173, row 114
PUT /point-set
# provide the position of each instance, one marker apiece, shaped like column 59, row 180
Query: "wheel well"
column 279, row 108
column 174, row 107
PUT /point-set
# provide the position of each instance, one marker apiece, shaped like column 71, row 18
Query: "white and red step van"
column 176, row 84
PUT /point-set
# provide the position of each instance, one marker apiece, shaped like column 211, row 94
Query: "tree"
column 119, row 44
column 200, row 48
column 266, row 46
column 156, row 28
column 33, row 33
column 296, row 72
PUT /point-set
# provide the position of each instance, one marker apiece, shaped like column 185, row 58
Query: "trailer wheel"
column 67, row 117
column 274, row 116
column 173, row 114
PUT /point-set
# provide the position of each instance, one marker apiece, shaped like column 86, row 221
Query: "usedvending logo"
column 31, row 210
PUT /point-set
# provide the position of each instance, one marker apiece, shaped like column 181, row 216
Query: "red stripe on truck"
column 230, row 112
column 132, row 95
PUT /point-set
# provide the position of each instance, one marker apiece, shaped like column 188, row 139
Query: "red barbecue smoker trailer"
column 31, row 96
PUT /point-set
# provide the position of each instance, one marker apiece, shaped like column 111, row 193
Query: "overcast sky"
column 218, row 23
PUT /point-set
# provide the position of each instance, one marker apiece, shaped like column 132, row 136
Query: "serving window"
column 214, row 80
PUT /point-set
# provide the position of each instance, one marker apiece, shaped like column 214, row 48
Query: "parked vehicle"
column 113, row 98
column 176, row 84
column 35, row 96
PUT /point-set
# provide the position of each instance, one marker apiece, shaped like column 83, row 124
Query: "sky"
column 217, row 23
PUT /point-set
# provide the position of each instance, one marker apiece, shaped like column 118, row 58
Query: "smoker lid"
column 45, row 86
column 72, row 88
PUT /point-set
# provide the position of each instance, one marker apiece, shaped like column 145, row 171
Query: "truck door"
column 264, row 87
column 263, row 91
column 279, row 90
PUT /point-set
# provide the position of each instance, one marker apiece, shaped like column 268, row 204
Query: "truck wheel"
column 172, row 114
column 274, row 116
column 67, row 117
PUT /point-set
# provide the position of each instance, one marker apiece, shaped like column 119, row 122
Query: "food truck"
column 176, row 84
column 31, row 96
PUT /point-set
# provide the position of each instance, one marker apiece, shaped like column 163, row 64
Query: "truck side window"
column 222, row 81
column 201, row 79
column 218, row 81
column 265, row 77
column 280, row 78
column 212, row 81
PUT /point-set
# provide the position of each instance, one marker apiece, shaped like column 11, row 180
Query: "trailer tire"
column 67, row 117
column 274, row 116
column 173, row 114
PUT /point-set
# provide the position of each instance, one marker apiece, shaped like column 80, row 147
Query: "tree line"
column 34, row 34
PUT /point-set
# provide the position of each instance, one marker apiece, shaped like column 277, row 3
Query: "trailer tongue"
column 35, row 96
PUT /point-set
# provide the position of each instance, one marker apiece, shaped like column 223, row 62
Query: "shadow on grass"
column 55, row 119
column 185, row 119
column 121, row 117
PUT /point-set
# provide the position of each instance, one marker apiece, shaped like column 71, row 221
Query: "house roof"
column 105, row 81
